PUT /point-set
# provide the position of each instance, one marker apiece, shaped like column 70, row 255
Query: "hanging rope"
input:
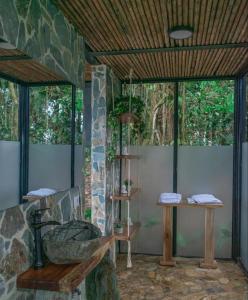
column 130, row 89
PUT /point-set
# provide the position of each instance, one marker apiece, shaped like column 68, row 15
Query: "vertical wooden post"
column 209, row 261
column 167, row 259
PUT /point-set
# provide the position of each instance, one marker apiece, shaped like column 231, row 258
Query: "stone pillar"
column 104, row 84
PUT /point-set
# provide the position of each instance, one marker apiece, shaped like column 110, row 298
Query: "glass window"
column 206, row 111
column 9, row 144
column 50, row 137
column 50, row 115
column 79, row 117
column 158, row 119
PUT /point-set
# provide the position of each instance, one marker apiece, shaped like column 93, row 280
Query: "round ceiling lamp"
column 181, row 32
column 6, row 45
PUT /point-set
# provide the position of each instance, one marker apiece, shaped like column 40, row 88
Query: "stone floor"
column 147, row 280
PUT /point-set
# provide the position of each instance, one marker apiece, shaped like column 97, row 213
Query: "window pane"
column 50, row 115
column 50, row 137
column 9, row 107
column 206, row 113
column 79, row 117
column 9, row 144
column 158, row 119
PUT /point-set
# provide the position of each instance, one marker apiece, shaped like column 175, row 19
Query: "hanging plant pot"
column 128, row 117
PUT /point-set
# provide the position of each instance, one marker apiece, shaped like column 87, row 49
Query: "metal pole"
column 24, row 139
column 175, row 163
column 73, row 114
column 237, row 165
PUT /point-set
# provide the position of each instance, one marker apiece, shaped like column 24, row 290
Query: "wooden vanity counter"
column 63, row 278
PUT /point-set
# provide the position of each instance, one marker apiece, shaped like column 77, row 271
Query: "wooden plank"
column 63, row 278
column 127, row 156
column 124, row 236
column 209, row 262
column 32, row 198
column 189, row 205
column 125, row 197
column 167, row 259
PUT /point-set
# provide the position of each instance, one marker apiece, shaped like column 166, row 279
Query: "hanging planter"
column 126, row 110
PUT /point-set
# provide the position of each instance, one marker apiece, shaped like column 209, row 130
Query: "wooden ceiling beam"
column 169, row 49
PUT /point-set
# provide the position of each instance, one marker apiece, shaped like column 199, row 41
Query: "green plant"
column 128, row 182
column 124, row 104
column 118, row 225
column 87, row 214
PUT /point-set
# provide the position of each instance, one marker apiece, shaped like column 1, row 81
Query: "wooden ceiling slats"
column 11, row 52
column 74, row 13
column 124, row 23
column 161, row 28
column 163, row 13
column 202, row 21
column 141, row 24
column 223, row 11
column 179, row 15
column 242, row 20
column 140, row 38
column 231, row 22
column 216, row 20
column 99, row 24
column 103, row 21
column 29, row 71
column 89, row 18
column 156, row 19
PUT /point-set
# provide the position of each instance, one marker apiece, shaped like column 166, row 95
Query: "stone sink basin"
column 73, row 242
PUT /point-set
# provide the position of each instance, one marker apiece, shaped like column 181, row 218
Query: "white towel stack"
column 204, row 199
column 42, row 192
column 170, row 198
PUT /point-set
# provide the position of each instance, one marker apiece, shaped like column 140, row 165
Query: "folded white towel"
column 170, row 198
column 203, row 199
column 175, row 200
column 42, row 192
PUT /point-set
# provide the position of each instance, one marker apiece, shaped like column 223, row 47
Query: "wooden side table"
column 208, row 261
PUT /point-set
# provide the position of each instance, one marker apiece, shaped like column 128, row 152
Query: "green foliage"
column 205, row 112
column 9, row 106
column 50, row 115
column 123, row 105
column 87, row 214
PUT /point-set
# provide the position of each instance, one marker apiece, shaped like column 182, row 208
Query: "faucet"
column 37, row 225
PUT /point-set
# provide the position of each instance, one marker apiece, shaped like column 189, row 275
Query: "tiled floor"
column 147, row 280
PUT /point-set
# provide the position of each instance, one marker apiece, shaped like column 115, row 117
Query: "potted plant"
column 121, row 107
column 118, row 228
column 128, row 185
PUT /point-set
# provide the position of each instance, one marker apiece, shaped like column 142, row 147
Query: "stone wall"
column 105, row 86
column 16, row 241
column 41, row 31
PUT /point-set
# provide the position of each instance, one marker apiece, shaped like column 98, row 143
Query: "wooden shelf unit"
column 129, row 231
column 127, row 156
column 125, row 197
column 132, row 231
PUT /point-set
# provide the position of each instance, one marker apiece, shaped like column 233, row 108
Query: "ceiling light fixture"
column 181, row 32
column 6, row 45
